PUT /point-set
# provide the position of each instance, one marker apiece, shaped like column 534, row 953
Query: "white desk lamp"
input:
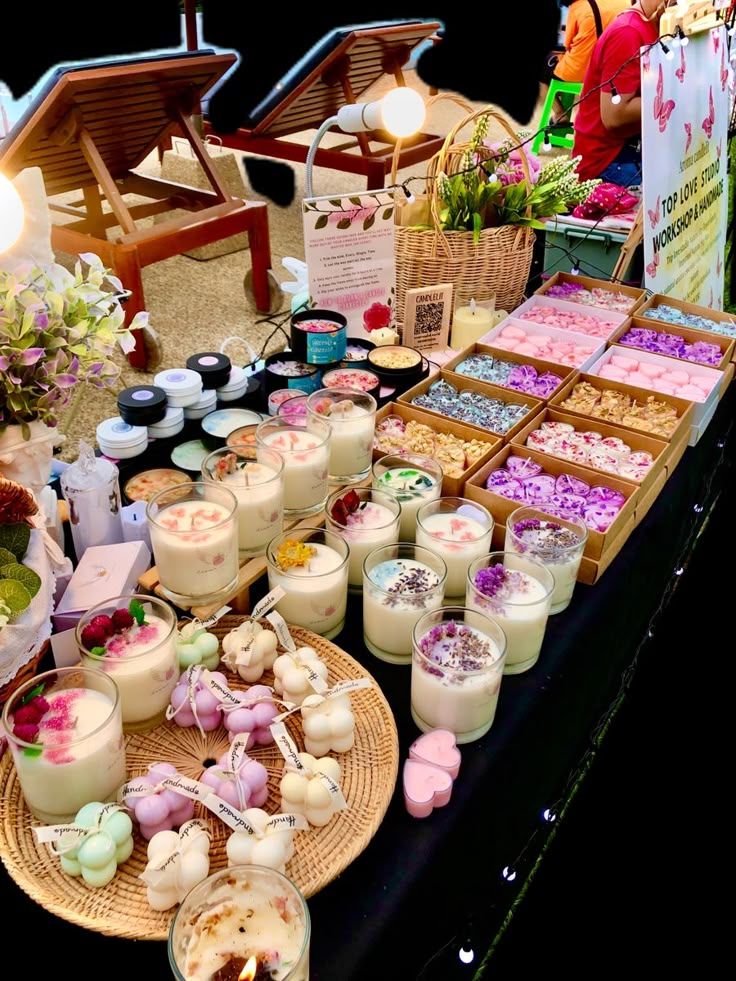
column 401, row 112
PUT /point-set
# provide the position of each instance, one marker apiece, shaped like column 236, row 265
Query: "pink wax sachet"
column 430, row 772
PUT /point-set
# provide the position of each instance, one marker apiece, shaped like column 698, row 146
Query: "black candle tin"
column 212, row 366
column 142, row 405
column 324, row 346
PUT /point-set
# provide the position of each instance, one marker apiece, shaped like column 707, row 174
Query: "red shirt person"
column 607, row 134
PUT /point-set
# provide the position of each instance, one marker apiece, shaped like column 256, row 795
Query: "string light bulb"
column 684, row 39
column 546, row 145
column 615, row 97
column 574, row 271
column 466, row 954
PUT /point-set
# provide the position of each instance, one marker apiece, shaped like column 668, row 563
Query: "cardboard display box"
column 565, row 372
column 719, row 316
column 501, row 507
column 463, row 383
column 556, row 333
column 451, row 486
column 638, row 296
column 683, row 408
column 689, row 334
column 660, row 449
column 537, row 301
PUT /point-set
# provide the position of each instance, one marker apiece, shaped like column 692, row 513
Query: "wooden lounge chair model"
column 87, row 130
column 336, row 72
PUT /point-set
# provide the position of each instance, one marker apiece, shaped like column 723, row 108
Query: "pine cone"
column 16, row 503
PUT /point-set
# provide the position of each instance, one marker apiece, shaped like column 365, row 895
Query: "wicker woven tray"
column 120, row 909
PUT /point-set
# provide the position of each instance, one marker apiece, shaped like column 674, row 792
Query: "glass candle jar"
column 413, row 479
column 311, row 566
column 132, row 639
column 459, row 531
column 366, row 518
column 401, row 583
column 351, row 415
column 258, row 486
column 304, row 445
column 516, row 592
column 195, row 541
column 74, row 751
column 557, row 542
column 245, row 918
column 457, row 663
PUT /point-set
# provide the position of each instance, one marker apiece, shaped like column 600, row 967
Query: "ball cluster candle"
column 413, row 479
column 547, row 347
column 659, row 377
column 252, row 715
column 515, row 591
column 457, row 530
column 328, row 723
column 107, row 844
column 177, row 862
column 400, row 584
column 196, row 645
column 195, row 541
column 351, row 417
column 366, row 519
column 250, row 650
column 239, row 780
column 557, row 543
column 64, row 729
column 311, row 566
column 193, row 703
column 271, row 844
column 305, row 791
column 133, row 639
column 154, row 805
column 258, row 486
column 304, row 446
column 293, row 672
column 610, row 454
column 457, row 667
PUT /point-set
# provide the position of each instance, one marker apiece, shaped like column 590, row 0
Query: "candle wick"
column 472, row 307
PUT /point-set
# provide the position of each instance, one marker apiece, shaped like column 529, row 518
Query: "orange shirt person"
column 582, row 30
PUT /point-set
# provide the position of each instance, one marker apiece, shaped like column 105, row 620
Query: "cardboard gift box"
column 565, row 372
column 638, row 295
column 718, row 316
column 689, row 334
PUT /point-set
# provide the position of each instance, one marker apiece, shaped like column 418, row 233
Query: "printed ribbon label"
column 221, row 692
column 182, row 785
column 342, row 688
column 282, row 631
column 267, row 603
column 71, row 836
column 334, row 789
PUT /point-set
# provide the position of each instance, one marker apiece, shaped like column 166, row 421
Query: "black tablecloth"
column 421, row 885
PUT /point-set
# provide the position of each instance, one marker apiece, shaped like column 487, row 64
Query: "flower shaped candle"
column 237, row 779
column 271, row 843
column 312, row 788
column 195, row 645
column 250, row 650
column 176, row 863
column 253, row 715
column 298, row 674
column 154, row 806
column 100, row 839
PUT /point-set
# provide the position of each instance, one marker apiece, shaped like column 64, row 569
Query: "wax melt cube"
column 272, row 845
column 176, row 863
column 106, row 843
column 305, row 792
column 329, row 724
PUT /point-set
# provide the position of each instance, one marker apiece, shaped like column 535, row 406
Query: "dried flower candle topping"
column 406, row 483
column 364, row 381
column 652, row 415
column 545, row 536
column 344, row 507
column 291, row 369
column 595, row 297
column 341, row 409
column 291, row 554
column 403, row 577
column 394, row 357
column 496, row 581
column 456, row 646
column 318, row 326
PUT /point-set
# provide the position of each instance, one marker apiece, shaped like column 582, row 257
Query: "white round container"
column 204, row 404
column 236, row 386
column 183, row 386
column 119, row 440
column 171, row 424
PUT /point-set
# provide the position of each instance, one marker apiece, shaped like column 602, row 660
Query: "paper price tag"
column 282, row 631
column 267, row 603
column 232, row 818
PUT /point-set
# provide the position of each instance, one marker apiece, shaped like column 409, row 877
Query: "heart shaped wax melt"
column 519, row 466
column 539, row 488
column 600, row 517
column 606, row 495
column 568, row 484
column 438, row 747
column 425, row 787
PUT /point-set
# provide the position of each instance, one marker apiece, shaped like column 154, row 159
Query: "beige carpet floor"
column 195, row 305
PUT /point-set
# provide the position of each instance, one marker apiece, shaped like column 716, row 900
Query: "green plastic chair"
column 563, row 136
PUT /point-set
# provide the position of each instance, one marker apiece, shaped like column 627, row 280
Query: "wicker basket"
column 497, row 265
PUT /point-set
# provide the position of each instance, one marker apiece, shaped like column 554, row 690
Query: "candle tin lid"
column 115, row 434
column 286, row 370
column 189, row 455
column 171, row 424
column 235, row 386
column 358, row 378
column 182, row 386
column 393, row 360
column 245, row 440
column 142, row 405
column 204, row 404
column 319, row 336
column 144, row 485
column 213, row 367
column 356, row 353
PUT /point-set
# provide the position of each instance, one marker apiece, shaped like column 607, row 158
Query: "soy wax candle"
column 195, row 541
column 351, row 416
column 557, row 542
column 258, row 486
column 311, row 566
column 516, row 592
column 65, row 731
column 304, row 446
column 413, row 479
column 133, row 640
column 366, row 518
column 457, row 666
column 459, row 531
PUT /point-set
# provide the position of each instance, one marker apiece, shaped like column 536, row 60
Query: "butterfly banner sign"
column 685, row 114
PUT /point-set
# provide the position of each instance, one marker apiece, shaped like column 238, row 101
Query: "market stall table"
column 419, row 883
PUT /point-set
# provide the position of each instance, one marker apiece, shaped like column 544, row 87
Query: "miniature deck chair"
column 336, row 72
column 87, row 130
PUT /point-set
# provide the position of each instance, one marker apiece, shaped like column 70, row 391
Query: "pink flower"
column 218, row 559
column 511, row 171
column 376, row 316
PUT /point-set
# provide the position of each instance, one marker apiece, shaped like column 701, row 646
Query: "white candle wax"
column 371, row 526
column 81, row 759
column 316, row 593
column 142, row 661
column 351, row 442
column 306, row 465
column 459, row 690
column 520, row 608
column 458, row 539
column 468, row 324
column 407, row 589
column 411, row 488
column 559, row 549
column 260, row 504
column 193, row 555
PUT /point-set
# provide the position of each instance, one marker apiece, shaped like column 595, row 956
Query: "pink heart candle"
column 438, row 747
column 425, row 787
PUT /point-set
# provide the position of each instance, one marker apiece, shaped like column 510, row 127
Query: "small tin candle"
column 212, row 367
column 144, row 485
column 119, row 440
column 235, row 387
column 356, row 353
column 171, row 424
column 286, row 370
column 182, row 386
column 358, row 378
column 394, row 360
column 217, row 426
column 276, row 399
column 205, row 403
column 142, row 405
column 244, row 438
column 189, row 455
column 319, row 336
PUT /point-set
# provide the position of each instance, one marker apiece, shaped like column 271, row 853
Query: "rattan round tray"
column 120, row 909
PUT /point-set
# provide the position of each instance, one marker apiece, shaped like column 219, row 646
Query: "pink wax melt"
column 430, row 771
column 439, row 748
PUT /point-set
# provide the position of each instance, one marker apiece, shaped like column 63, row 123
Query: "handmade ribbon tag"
column 221, row 692
column 282, row 631
column 342, row 688
column 267, row 603
column 156, row 872
column 182, row 785
column 71, row 836
column 288, row 822
column 287, row 747
column 334, row 789
column 232, row 818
